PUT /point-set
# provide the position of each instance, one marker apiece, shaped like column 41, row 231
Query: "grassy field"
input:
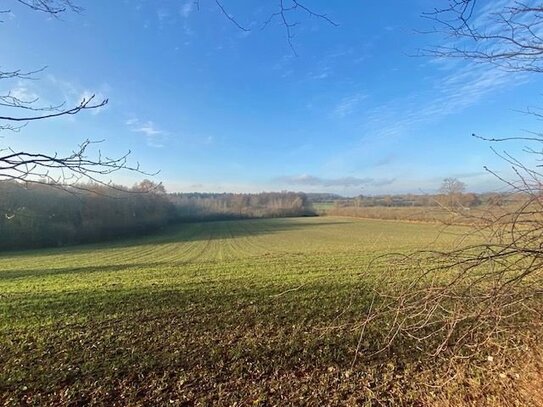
column 253, row 312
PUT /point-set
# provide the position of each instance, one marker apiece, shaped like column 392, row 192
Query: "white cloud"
column 54, row 93
column 155, row 137
column 72, row 93
column 320, row 75
column 148, row 128
column 186, row 9
column 23, row 93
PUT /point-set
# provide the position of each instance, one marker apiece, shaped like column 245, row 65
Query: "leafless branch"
column 51, row 7
column 510, row 37
column 61, row 170
column 284, row 14
column 70, row 169
column 485, row 295
column 229, row 17
column 478, row 297
column 85, row 104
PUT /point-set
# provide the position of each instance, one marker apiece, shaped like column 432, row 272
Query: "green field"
column 253, row 312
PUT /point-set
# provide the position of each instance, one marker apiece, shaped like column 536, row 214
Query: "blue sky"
column 215, row 108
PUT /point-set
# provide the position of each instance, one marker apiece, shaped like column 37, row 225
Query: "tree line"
column 206, row 206
column 41, row 215
column 463, row 200
column 34, row 215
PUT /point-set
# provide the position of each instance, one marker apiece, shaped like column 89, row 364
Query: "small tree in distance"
column 453, row 189
column 148, row 186
column 452, row 186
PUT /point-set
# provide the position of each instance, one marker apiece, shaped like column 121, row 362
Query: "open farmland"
column 255, row 312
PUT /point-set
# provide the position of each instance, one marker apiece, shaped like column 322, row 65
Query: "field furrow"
column 269, row 309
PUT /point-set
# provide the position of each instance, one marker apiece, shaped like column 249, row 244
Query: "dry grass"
column 431, row 214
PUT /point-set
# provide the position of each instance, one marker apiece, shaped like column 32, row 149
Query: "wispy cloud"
column 23, row 93
column 186, row 9
column 155, row 137
column 473, row 174
column 73, row 92
column 54, row 92
column 457, row 90
column 163, row 15
column 284, row 65
column 384, row 161
column 148, row 128
column 97, row 98
column 460, row 85
column 320, row 74
column 348, row 105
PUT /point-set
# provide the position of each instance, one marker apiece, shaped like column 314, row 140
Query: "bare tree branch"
column 25, row 166
column 286, row 11
column 73, row 168
column 51, row 7
column 229, row 17
column 482, row 296
column 507, row 36
column 85, row 104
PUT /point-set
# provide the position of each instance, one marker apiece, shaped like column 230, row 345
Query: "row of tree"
column 464, row 200
column 202, row 206
column 41, row 215
column 452, row 194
